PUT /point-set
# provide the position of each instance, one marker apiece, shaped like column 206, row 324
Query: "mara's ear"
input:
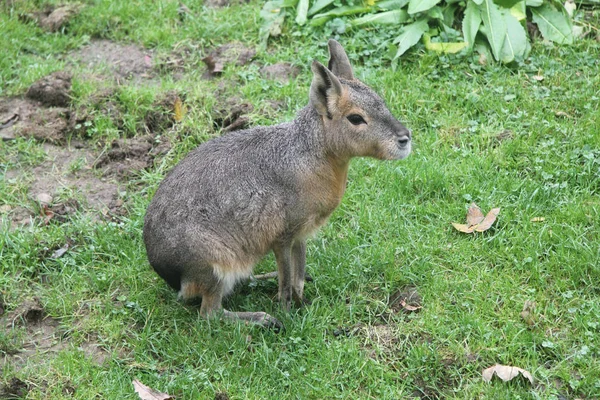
column 339, row 63
column 325, row 90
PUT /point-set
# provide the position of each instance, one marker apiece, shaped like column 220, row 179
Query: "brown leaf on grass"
column 505, row 372
column 527, row 313
column 476, row 222
column 179, row 110
column 408, row 307
column 47, row 213
column 147, row 393
column 474, row 215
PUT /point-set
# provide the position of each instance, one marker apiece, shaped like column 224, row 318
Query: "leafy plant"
column 495, row 28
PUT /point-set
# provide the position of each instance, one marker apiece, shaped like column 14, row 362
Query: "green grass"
column 392, row 230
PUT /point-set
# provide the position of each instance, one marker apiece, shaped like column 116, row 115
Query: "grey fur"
column 239, row 196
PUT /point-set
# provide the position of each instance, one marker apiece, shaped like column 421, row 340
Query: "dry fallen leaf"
column 47, row 213
column 147, row 393
column 505, row 372
column 179, row 110
column 408, row 307
column 562, row 114
column 476, row 222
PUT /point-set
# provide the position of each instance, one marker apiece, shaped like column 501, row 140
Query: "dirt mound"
column 127, row 156
column 42, row 340
column 53, row 18
column 281, row 72
column 232, row 114
column 15, row 389
column 230, row 53
column 127, row 61
column 30, row 118
column 52, row 90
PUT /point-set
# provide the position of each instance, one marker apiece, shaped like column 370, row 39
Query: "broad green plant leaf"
column 435, row 13
column 516, row 46
column 518, row 11
column 272, row 14
column 319, row 5
column 443, row 47
column 301, row 12
column 494, row 26
column 506, row 3
column 393, row 17
column 534, row 3
column 342, row 11
column 449, row 14
column 416, row 6
column 410, row 35
column 555, row 25
column 478, row 2
column 471, row 23
column 392, row 4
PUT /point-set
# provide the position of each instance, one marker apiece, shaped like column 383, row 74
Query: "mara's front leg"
column 283, row 256
column 298, row 272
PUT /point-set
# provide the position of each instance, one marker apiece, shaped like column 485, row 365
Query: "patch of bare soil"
column 230, row 53
column 406, row 300
column 223, row 3
column 67, row 174
column 43, row 339
column 28, row 118
column 129, row 155
column 282, row 72
column 43, row 114
column 232, row 114
column 126, row 61
column 53, row 18
column 15, row 389
column 95, row 352
column 41, row 330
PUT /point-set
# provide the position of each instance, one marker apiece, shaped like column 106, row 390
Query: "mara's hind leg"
column 212, row 294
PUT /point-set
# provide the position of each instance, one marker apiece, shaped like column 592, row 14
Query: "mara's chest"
column 323, row 191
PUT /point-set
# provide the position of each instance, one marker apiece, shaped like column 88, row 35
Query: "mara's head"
column 356, row 120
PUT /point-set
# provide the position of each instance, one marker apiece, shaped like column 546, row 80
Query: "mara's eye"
column 356, row 119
